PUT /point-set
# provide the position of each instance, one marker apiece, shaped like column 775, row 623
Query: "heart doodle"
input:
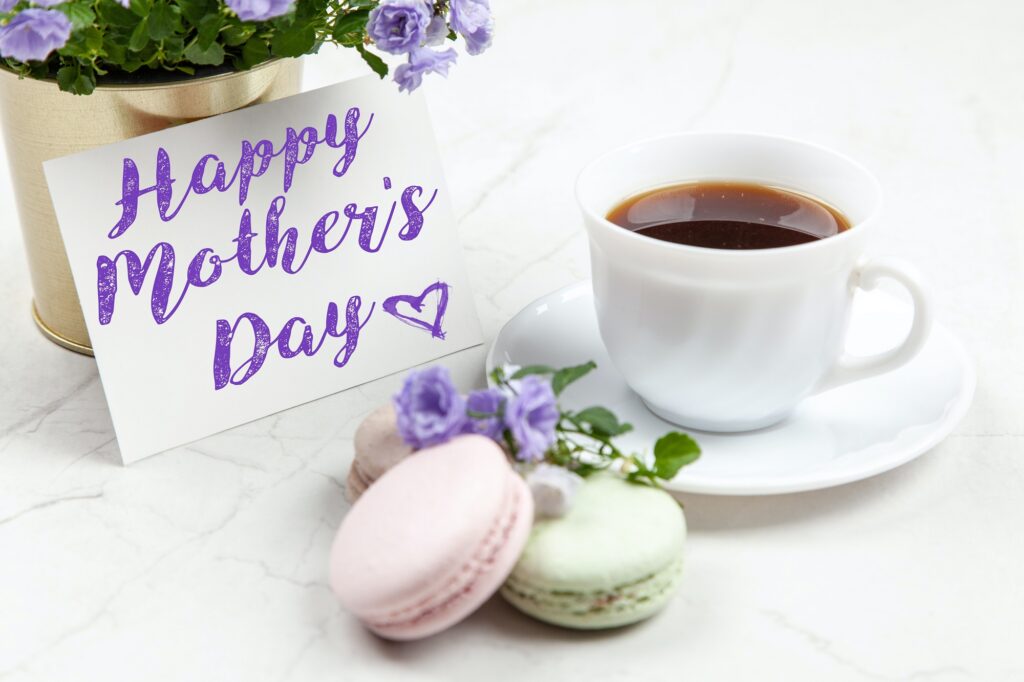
column 417, row 303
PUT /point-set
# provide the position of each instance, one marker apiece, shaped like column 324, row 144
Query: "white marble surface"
column 208, row 562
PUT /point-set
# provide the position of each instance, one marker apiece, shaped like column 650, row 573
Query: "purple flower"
column 429, row 408
column 531, row 416
column 7, row 5
column 259, row 10
column 399, row 26
column 43, row 3
column 33, row 34
column 472, row 19
column 423, row 61
column 484, row 408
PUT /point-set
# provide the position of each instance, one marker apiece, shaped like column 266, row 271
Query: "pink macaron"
column 432, row 539
column 378, row 447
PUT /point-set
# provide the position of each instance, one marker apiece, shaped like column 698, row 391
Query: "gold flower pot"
column 41, row 123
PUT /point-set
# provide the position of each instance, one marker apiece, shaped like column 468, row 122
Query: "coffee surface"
column 728, row 215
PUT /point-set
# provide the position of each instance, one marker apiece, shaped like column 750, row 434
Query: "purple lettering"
column 136, row 270
column 263, row 341
column 245, row 171
column 413, row 214
column 222, row 373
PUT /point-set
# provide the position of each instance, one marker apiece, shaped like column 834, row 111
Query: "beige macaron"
column 378, row 447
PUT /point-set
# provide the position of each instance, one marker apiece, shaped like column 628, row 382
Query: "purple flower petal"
column 399, row 26
column 259, row 10
column 429, row 408
column 484, row 411
column 473, row 21
column 531, row 416
column 423, row 61
column 33, row 34
column 437, row 31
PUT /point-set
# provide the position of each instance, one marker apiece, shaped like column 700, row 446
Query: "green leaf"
column 131, row 64
column 174, row 49
column 92, row 37
column 116, row 52
column 672, row 452
column 72, row 79
column 564, row 377
column 350, row 28
column 140, row 36
column 66, row 76
column 208, row 29
column 293, row 41
column 309, row 11
column 85, row 43
column 79, row 14
column 163, row 21
column 532, row 369
column 361, row 4
column 602, row 419
column 254, row 52
column 212, row 55
column 197, row 10
column 113, row 14
column 85, row 84
column 140, row 7
column 237, row 33
column 374, row 62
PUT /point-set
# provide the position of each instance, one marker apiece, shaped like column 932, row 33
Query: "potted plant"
column 77, row 74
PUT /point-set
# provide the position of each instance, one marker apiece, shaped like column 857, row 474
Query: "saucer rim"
column 794, row 483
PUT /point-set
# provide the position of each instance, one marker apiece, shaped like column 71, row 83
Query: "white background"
column 208, row 562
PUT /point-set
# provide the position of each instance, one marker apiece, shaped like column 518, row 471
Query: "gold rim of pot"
column 183, row 82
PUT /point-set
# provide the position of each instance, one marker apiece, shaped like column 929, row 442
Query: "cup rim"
column 830, row 242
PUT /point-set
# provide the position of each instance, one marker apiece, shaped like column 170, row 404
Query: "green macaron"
column 615, row 558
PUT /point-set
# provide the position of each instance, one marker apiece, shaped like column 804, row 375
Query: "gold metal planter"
column 41, row 123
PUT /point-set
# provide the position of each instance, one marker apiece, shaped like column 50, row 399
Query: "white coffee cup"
column 732, row 340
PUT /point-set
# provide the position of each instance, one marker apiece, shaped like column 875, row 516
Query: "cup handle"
column 866, row 276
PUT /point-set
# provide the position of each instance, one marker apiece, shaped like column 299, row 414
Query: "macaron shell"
column 355, row 486
column 614, row 559
column 406, row 540
column 378, row 447
column 621, row 605
column 491, row 572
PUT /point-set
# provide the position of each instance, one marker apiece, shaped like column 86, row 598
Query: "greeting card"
column 240, row 265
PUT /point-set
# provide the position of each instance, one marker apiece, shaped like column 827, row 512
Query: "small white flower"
column 553, row 488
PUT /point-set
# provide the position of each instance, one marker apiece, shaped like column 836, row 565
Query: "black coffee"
column 728, row 215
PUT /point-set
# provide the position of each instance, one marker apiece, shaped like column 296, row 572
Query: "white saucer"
column 843, row 435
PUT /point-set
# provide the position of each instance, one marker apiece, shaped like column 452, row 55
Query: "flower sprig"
column 584, row 439
column 520, row 411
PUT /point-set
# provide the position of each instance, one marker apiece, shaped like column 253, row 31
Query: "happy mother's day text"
column 280, row 247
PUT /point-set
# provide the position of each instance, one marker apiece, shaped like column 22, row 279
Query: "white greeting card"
column 239, row 265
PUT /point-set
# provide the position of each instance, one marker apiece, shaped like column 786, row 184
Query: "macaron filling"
column 608, row 604
column 463, row 580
